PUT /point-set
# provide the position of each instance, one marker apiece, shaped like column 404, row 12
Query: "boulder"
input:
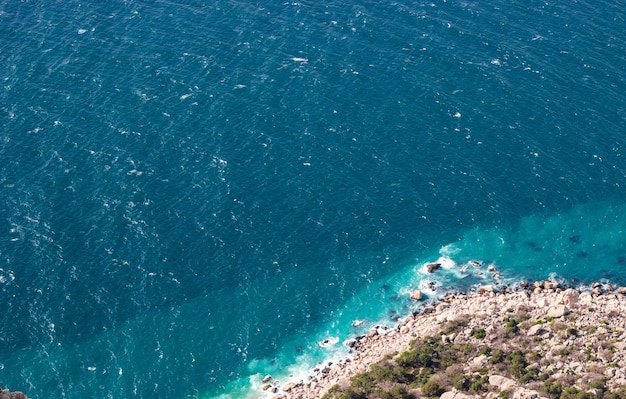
column 557, row 311
column 455, row 395
column 289, row 386
column 267, row 378
column 431, row 267
column 501, row 382
column 485, row 289
column 523, row 393
column 535, row 329
column 416, row 295
column 6, row 394
column 550, row 285
column 569, row 298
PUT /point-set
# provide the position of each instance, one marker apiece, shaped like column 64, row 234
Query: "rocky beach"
column 538, row 340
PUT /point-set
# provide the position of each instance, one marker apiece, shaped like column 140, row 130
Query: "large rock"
column 557, row 311
column 501, row 382
column 455, row 395
column 431, row 267
column 416, row 295
column 289, row 386
column 535, row 329
column 523, row 393
column 5, row 394
column 550, row 285
column 485, row 289
column 569, row 298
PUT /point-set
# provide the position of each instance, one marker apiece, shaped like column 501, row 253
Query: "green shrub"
column 511, row 325
column 597, row 384
column 432, row 389
column 485, row 350
column 462, row 382
column 497, row 356
column 350, row 394
column 477, row 387
column 397, row 392
column 553, row 389
column 530, row 374
column 456, row 325
column 363, row 383
column 415, row 359
column 517, row 363
column 479, row 333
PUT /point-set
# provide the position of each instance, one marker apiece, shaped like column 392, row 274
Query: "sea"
column 195, row 194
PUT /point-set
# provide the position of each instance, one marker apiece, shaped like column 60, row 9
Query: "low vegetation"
column 436, row 364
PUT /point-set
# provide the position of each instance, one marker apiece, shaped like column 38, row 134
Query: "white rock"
column 501, row 382
column 288, row 387
column 570, row 298
column 535, row 329
column 455, row 395
column 557, row 311
column 523, row 393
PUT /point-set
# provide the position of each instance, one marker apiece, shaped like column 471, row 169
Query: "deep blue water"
column 194, row 194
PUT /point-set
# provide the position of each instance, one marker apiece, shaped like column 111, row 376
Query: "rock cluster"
column 572, row 332
column 6, row 394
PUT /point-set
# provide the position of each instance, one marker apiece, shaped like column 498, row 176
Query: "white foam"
column 446, row 262
column 429, row 287
column 357, row 323
column 300, row 59
column 449, row 250
column 329, row 342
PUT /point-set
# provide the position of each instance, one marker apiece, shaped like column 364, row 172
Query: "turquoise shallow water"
column 196, row 194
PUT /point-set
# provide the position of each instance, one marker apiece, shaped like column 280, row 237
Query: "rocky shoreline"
column 575, row 337
column 6, row 394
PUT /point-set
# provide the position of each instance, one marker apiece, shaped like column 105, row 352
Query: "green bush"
column 397, row 392
column 432, row 389
column 477, row 387
column 485, row 350
column 597, row 384
column 363, row 383
column 497, row 356
column 511, row 325
column 456, row 325
column 462, row 382
column 350, row 394
column 415, row 359
column 517, row 363
column 553, row 389
column 572, row 332
column 479, row 333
